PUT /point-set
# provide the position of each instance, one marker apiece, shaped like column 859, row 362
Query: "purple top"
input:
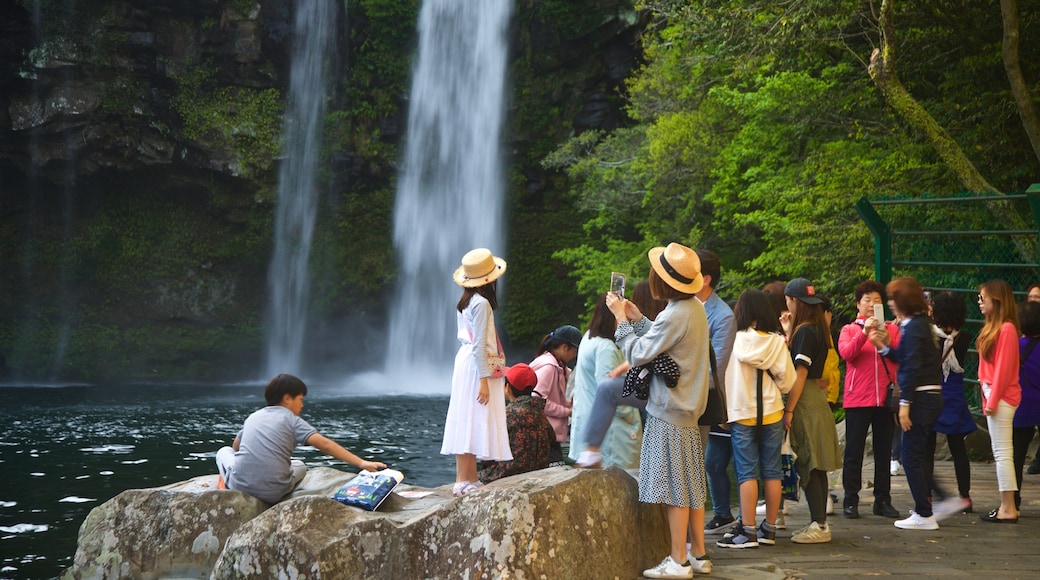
column 1028, row 413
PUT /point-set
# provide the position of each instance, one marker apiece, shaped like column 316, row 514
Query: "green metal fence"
column 956, row 243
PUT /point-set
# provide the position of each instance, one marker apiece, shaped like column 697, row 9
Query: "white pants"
column 226, row 464
column 1000, row 424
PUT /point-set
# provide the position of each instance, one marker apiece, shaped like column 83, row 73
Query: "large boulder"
column 157, row 533
column 553, row 523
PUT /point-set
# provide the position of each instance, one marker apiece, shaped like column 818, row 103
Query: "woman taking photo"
column 920, row 386
column 867, row 376
column 807, row 414
column 671, row 462
column 997, row 344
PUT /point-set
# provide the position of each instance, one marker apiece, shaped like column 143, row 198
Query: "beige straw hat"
column 678, row 266
column 479, row 267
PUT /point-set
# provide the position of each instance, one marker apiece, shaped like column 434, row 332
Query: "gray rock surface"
column 553, row 523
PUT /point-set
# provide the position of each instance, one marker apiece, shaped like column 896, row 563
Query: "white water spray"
column 288, row 275
column 449, row 199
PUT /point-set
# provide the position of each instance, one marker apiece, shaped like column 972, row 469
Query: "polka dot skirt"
column 671, row 465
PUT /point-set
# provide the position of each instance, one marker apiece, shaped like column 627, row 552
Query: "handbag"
column 637, row 380
column 715, row 413
column 789, row 481
column 892, row 391
column 496, row 361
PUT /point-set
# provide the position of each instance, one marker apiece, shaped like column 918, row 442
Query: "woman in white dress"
column 475, row 427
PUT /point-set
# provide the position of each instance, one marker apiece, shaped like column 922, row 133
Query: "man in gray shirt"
column 259, row 462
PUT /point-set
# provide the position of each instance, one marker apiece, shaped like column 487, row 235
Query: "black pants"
column 1021, row 437
column 961, row 464
column 857, row 421
column 916, row 462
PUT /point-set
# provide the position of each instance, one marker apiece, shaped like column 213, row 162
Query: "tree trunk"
column 1026, row 107
column 882, row 70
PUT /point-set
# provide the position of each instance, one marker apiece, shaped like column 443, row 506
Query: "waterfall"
column 288, row 275
column 449, row 198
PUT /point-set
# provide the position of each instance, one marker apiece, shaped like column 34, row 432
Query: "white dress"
column 469, row 426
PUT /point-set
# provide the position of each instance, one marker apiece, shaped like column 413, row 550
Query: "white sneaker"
column 893, row 467
column 699, row 566
column 669, row 568
column 949, row 506
column 760, row 508
column 813, row 534
column 917, row 522
column 589, row 459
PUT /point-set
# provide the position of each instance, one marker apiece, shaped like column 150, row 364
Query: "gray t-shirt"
column 265, row 447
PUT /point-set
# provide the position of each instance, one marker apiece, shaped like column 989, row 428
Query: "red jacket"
column 866, row 384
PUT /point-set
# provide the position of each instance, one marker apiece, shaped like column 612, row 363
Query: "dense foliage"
column 757, row 126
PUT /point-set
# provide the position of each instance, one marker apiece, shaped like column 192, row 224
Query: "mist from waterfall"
column 288, row 274
column 450, row 195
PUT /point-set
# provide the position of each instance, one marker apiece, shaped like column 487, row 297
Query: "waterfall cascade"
column 289, row 275
column 450, row 195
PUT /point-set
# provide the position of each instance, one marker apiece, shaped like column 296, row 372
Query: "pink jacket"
column 866, row 383
column 1001, row 373
column 552, row 386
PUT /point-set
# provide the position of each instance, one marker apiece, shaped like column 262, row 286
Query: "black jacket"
column 918, row 355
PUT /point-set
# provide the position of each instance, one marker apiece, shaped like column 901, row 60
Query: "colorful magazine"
column 369, row 489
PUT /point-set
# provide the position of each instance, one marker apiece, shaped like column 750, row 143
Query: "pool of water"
column 65, row 450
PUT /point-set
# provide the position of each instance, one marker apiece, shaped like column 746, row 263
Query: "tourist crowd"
column 674, row 385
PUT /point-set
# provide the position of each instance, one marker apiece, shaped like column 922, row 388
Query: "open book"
column 368, row 489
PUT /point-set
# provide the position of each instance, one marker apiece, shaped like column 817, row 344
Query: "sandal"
column 460, row 488
column 471, row 487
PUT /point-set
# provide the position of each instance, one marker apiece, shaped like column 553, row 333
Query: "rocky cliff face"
column 139, row 143
column 554, row 523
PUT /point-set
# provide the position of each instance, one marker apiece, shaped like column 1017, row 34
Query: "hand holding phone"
column 879, row 315
column 617, row 284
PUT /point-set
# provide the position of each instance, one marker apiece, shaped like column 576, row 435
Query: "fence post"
column 882, row 238
column 1033, row 197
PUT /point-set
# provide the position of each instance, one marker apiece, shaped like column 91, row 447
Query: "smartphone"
column 879, row 314
column 617, row 283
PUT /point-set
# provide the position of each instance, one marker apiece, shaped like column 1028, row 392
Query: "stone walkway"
column 963, row 546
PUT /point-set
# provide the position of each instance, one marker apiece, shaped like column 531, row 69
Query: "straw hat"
column 678, row 266
column 479, row 267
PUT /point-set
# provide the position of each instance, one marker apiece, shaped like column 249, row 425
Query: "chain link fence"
column 956, row 243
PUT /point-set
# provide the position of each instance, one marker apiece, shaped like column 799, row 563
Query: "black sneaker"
column 742, row 538
column 719, row 525
column 766, row 534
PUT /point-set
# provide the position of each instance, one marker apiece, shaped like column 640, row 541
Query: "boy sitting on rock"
column 259, row 462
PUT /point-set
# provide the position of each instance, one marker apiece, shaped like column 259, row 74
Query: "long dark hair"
column 602, row 324
column 753, row 309
column 488, row 291
column 809, row 315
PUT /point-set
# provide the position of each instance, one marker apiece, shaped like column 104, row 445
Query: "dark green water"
column 66, row 450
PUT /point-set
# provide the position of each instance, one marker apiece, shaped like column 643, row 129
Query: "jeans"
column 917, row 463
column 857, row 421
column 1000, row 426
column 758, row 459
column 716, row 460
column 608, row 398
